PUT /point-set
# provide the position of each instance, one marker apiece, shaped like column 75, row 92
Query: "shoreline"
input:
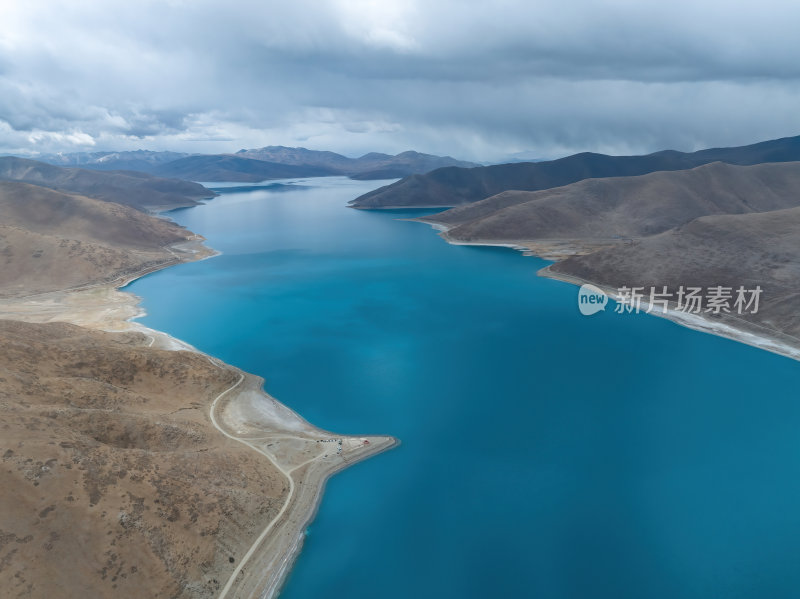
column 250, row 416
column 279, row 544
column 746, row 332
column 546, row 249
column 415, row 207
column 728, row 327
column 293, row 552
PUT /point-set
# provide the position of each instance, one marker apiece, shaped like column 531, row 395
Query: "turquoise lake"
column 544, row 454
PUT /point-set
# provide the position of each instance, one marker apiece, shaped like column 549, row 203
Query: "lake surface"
column 545, row 454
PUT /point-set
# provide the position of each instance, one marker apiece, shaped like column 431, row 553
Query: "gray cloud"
column 474, row 80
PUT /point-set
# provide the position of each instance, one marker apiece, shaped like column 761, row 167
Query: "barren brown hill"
column 50, row 240
column 113, row 482
column 139, row 190
column 625, row 207
column 133, row 466
column 454, row 186
column 730, row 250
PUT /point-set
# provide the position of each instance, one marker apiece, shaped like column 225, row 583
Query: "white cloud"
column 380, row 23
column 77, row 139
column 474, row 80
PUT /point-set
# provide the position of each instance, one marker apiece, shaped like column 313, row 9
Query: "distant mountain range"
column 454, row 186
column 369, row 166
column 235, row 168
column 271, row 162
column 140, row 190
column 137, row 160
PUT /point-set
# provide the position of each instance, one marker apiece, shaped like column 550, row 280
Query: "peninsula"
column 717, row 225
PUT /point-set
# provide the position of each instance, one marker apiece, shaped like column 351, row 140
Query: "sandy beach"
column 306, row 456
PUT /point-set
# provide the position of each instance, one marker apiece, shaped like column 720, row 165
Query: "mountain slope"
column 730, row 250
column 625, row 207
column 139, row 190
column 50, row 240
column 456, row 186
column 113, row 482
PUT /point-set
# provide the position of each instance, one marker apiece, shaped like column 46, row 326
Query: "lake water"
column 545, row 454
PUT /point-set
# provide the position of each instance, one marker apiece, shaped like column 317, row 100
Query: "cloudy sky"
column 476, row 80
